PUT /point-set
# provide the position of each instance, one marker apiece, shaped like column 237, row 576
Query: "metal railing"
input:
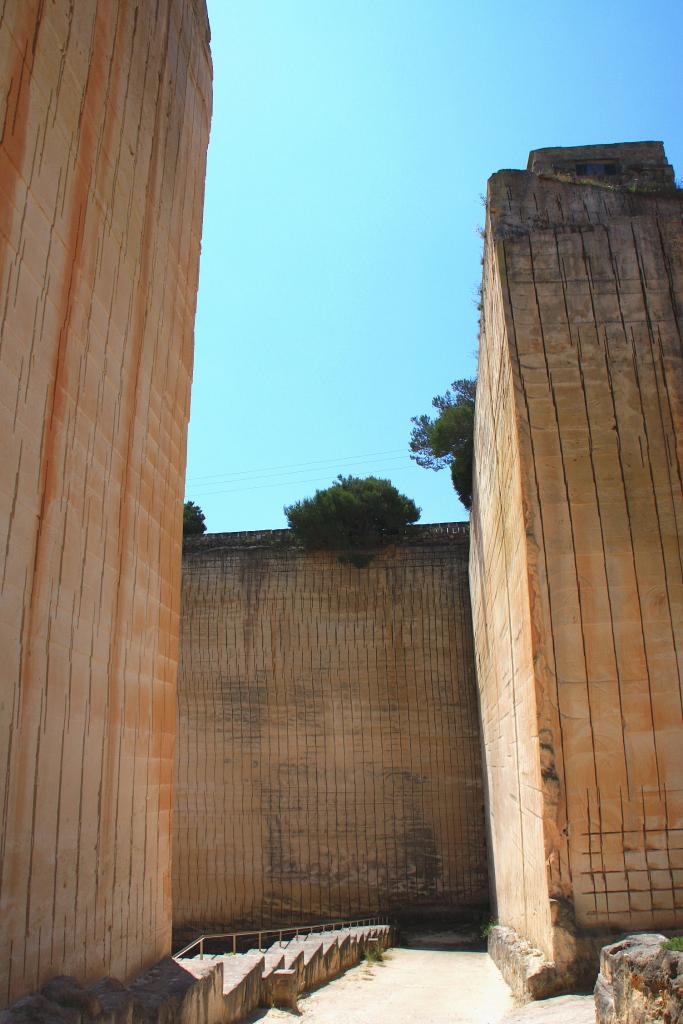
column 295, row 930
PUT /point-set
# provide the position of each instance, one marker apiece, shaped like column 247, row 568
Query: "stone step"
column 309, row 946
column 284, row 970
column 236, row 966
column 274, row 958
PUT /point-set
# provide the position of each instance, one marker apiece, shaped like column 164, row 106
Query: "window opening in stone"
column 596, row 170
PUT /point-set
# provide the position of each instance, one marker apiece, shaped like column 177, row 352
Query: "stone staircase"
column 230, row 985
column 204, row 989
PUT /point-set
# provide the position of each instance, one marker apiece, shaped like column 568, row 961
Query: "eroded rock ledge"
column 528, row 973
column 531, row 975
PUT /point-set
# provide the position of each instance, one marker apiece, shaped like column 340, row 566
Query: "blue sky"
column 351, row 141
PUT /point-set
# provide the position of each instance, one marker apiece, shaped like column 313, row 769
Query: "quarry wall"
column 575, row 566
column 104, row 114
column 328, row 758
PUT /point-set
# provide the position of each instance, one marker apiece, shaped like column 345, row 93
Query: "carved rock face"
column 328, row 742
column 106, row 112
column 576, row 547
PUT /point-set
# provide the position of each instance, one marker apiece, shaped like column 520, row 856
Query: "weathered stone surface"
column 115, row 1000
column 328, row 759
column 531, row 975
column 525, row 969
column 105, row 109
column 281, row 974
column 575, row 563
column 283, row 985
column 37, row 1009
column 167, row 993
column 640, row 982
column 574, row 1009
column 67, row 992
column 221, row 989
column 637, row 165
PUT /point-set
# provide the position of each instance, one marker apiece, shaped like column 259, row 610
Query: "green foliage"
column 353, row 517
column 448, row 439
column 487, row 927
column 193, row 520
column 675, row 944
column 374, row 954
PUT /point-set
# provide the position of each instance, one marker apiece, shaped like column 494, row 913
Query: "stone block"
column 640, row 982
column 576, row 551
column 282, row 988
column 102, row 161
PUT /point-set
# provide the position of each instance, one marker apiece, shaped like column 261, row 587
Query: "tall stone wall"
column 504, row 642
column 104, row 119
column 328, row 758
column 576, row 555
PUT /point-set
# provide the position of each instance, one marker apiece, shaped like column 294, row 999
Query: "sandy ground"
column 419, row 986
column 560, row 1010
column 426, row 986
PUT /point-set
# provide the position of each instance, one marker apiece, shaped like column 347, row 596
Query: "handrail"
column 299, row 928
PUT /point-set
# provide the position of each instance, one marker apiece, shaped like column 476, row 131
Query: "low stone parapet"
column 221, row 989
column 164, row 994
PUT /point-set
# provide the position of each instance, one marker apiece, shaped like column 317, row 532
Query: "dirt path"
column 419, row 986
column 411, row 986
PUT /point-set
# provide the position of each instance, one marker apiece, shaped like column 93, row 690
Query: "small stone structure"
column 328, row 757
column 105, row 109
column 576, row 549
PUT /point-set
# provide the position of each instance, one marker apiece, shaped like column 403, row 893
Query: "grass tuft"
column 374, row 955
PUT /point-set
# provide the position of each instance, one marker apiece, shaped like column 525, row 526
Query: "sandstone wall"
column 328, row 758
column 504, row 643
column 576, row 554
column 104, row 115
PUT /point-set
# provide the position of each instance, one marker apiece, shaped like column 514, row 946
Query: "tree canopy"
column 193, row 520
column 448, row 438
column 353, row 517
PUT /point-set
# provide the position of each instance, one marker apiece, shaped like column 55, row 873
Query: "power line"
column 284, row 483
column 292, row 474
column 292, row 465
